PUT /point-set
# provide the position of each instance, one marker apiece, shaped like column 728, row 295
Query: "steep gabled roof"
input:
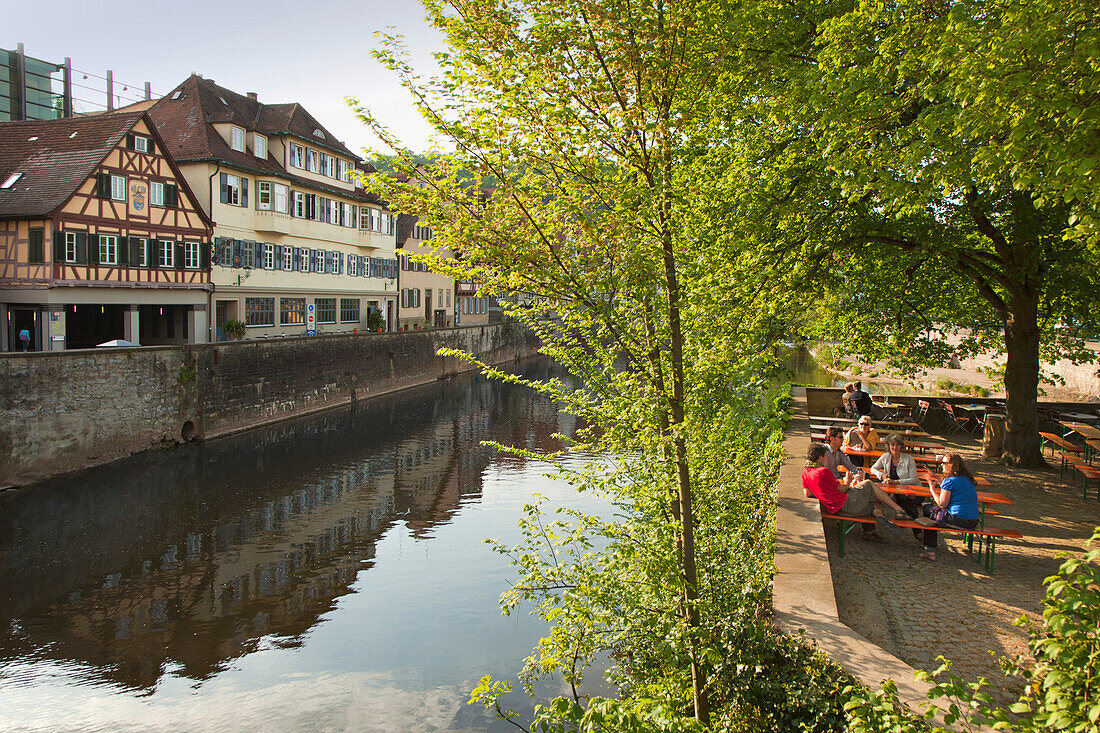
column 183, row 114
column 55, row 157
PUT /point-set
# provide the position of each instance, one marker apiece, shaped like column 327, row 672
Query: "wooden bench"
column 1087, row 472
column 1055, row 441
column 987, row 537
column 843, row 530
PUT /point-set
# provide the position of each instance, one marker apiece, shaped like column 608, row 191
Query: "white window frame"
column 70, row 247
column 166, row 255
column 297, row 156
column 269, row 256
column 236, row 138
column 259, row 146
column 108, row 249
column 156, row 193
column 191, row 255
column 118, row 188
column 280, row 198
column 288, row 258
column 143, row 260
column 334, row 212
column 233, row 189
column 353, row 266
column 311, row 160
column 263, row 195
column 142, row 143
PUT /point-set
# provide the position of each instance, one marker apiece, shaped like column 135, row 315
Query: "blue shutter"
column 225, row 188
column 244, row 192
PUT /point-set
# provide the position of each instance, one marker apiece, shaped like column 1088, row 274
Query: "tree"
column 587, row 114
column 946, row 184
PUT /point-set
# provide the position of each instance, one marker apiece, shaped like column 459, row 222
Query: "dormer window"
column 318, row 133
column 236, row 139
column 259, row 146
column 11, row 180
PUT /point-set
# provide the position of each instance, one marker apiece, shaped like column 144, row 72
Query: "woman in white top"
column 899, row 467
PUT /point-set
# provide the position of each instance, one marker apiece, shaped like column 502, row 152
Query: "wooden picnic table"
column 924, row 474
column 899, row 424
column 1089, row 432
column 915, row 443
column 905, row 433
column 876, row 453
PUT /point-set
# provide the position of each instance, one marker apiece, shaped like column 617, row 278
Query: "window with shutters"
column 349, row 310
column 259, row 311
column 259, row 146
column 232, row 190
column 334, row 212
column 342, row 170
column 108, row 249
column 292, row 311
column 269, row 256
column 248, row 254
column 156, row 193
column 297, row 155
column 316, row 260
column 167, row 253
column 236, row 139
column 138, row 244
column 36, row 249
column 288, row 258
column 191, row 255
column 353, row 265
column 387, row 223
column 70, row 247
column 141, row 143
column 330, row 262
column 326, row 310
column 328, row 165
column 118, row 188
column 311, row 160
column 364, row 217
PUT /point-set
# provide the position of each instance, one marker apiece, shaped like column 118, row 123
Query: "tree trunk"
column 1022, row 446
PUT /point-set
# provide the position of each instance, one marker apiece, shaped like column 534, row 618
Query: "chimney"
column 252, row 96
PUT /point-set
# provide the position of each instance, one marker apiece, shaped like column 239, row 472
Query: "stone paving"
column 918, row 609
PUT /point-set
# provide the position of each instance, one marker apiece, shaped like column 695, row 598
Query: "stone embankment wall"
column 62, row 411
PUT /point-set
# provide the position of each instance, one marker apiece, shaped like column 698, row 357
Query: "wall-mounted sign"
column 311, row 320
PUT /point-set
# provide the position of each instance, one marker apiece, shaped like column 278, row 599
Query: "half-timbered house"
column 300, row 247
column 101, row 237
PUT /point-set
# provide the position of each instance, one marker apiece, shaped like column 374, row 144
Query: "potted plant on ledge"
column 233, row 329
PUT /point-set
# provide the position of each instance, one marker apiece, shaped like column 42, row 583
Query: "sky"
column 314, row 53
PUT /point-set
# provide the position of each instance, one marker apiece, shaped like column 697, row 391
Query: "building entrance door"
column 441, row 319
column 19, row 320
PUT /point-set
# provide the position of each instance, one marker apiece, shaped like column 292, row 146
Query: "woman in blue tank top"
column 954, row 503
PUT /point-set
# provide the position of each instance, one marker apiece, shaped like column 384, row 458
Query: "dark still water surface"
column 323, row 574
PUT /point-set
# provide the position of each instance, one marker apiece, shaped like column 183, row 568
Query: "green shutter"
column 152, row 252
column 59, row 246
column 135, row 251
column 81, row 248
column 204, row 255
column 123, row 251
column 179, row 255
column 171, row 195
column 130, row 140
column 103, row 185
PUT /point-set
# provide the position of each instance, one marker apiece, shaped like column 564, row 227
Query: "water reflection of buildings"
column 190, row 558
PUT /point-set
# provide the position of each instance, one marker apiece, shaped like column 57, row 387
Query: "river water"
column 323, row 574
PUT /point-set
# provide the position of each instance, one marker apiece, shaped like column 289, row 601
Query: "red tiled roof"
column 185, row 118
column 55, row 158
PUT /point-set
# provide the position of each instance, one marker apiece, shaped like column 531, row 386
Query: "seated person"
column 861, row 400
column 835, row 458
column 862, row 437
column 846, row 399
column 898, row 466
column 844, row 499
column 954, row 504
